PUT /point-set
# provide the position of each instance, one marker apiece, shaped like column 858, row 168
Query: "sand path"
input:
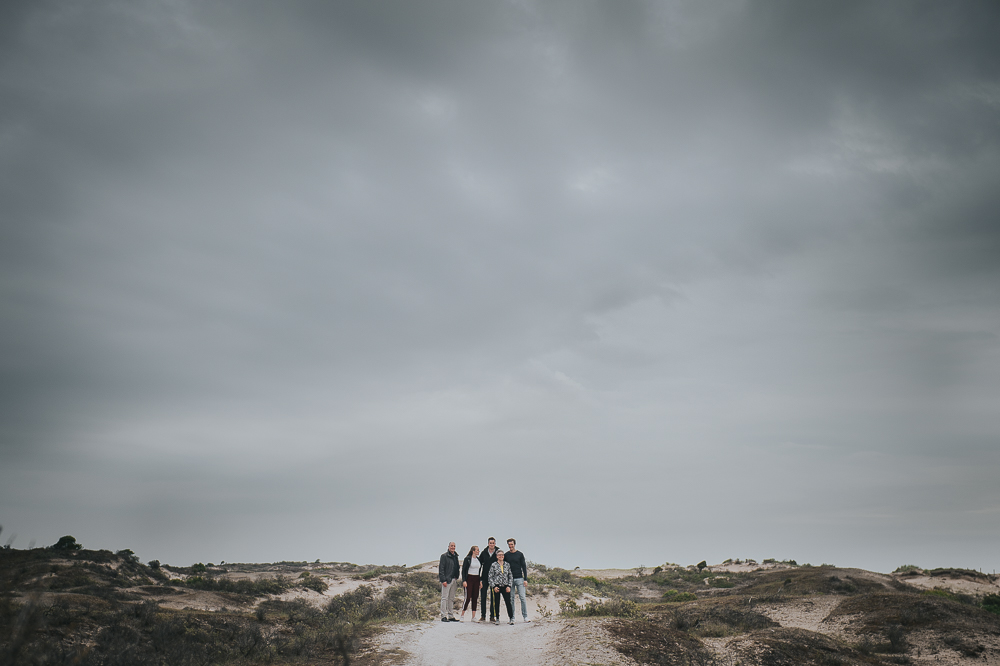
column 543, row 642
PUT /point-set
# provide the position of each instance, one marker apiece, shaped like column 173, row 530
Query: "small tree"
column 154, row 564
column 67, row 543
column 701, row 565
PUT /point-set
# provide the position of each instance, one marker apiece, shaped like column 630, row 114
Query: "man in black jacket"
column 519, row 569
column 487, row 558
column 448, row 573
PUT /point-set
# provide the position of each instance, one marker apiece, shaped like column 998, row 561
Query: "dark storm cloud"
column 312, row 249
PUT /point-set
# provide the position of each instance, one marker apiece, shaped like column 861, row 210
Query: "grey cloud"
column 606, row 237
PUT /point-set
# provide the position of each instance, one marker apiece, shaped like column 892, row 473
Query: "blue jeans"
column 517, row 592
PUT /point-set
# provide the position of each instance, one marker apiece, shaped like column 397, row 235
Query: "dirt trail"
column 543, row 642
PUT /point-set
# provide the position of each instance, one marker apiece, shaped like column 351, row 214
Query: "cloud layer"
column 636, row 282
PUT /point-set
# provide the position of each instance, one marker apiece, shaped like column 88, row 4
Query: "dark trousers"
column 495, row 604
column 484, row 600
column 471, row 592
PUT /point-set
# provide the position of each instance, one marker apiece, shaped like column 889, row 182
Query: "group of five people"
column 502, row 572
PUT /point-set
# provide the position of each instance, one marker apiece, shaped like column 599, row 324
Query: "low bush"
column 314, row 583
column 624, row 608
column 673, row 596
column 991, row 603
column 244, row 586
column 372, row 574
column 66, row 543
column 954, row 596
column 364, row 604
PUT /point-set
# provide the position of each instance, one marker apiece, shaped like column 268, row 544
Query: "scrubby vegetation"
column 670, row 614
column 610, row 608
column 68, row 605
column 887, row 617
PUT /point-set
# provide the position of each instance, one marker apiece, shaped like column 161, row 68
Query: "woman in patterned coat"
column 500, row 581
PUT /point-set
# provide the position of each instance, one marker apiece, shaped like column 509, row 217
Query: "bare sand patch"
column 808, row 613
column 961, row 584
column 546, row 643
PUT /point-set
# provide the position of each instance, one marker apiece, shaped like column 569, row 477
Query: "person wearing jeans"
column 519, row 571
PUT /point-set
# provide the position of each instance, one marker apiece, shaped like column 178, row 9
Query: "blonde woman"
column 471, row 567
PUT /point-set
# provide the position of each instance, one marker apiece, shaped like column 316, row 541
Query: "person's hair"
column 499, row 553
column 512, row 539
column 470, row 551
column 492, row 539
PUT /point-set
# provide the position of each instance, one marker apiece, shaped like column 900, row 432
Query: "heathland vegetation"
column 65, row 604
column 68, row 605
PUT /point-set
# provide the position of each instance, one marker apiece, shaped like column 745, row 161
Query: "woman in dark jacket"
column 471, row 567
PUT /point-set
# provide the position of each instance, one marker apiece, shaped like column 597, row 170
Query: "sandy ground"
column 543, row 642
column 961, row 584
column 606, row 574
column 808, row 613
column 746, row 566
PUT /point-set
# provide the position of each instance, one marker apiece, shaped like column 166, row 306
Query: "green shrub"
column 372, row 574
column 423, row 583
column 612, row 608
column 721, row 583
column 246, row 587
column 907, row 568
column 128, row 555
column 314, row 583
column 954, row 596
column 991, row 603
column 364, row 604
column 673, row 596
column 66, row 543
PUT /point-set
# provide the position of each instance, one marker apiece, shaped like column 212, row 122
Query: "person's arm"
column 442, row 565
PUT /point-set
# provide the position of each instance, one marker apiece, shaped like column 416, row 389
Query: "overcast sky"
column 634, row 282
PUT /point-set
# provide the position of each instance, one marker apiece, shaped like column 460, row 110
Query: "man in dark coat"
column 519, row 569
column 448, row 573
column 487, row 558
